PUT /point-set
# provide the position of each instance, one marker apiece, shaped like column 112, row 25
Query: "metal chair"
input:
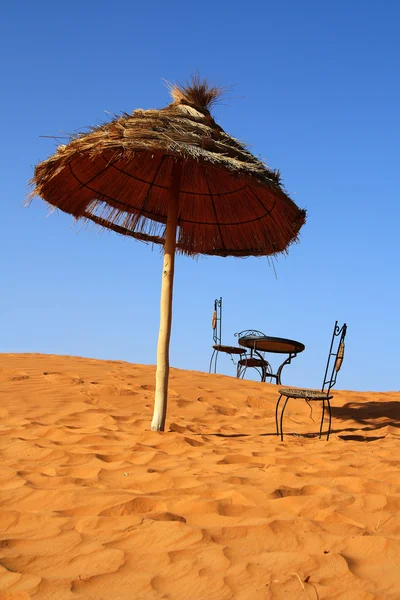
column 335, row 359
column 253, row 359
column 217, row 338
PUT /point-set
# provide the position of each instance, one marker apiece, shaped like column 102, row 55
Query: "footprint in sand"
column 184, row 429
column 225, row 410
column 12, row 375
column 63, row 377
column 122, row 418
column 166, row 516
column 113, row 390
column 148, row 388
column 52, row 374
column 183, row 403
column 258, row 402
column 140, row 505
column 285, row 491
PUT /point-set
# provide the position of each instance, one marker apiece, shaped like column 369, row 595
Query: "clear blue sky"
column 316, row 94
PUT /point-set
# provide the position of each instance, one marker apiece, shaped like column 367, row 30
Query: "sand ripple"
column 93, row 505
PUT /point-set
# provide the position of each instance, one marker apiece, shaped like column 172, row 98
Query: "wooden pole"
column 167, row 283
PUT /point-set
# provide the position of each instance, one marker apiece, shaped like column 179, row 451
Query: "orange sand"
column 94, row 505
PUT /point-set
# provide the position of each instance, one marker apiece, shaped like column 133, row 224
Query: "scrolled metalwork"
column 331, row 374
column 338, row 330
column 250, row 333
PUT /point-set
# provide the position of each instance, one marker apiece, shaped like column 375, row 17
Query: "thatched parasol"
column 172, row 177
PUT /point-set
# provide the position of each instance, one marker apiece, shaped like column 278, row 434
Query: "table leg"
column 285, row 362
column 264, row 366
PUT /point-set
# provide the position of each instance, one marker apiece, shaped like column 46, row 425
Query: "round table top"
column 271, row 344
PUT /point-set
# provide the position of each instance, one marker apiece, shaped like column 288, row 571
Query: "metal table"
column 274, row 345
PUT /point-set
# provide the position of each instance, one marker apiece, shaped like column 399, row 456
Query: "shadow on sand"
column 371, row 416
column 368, row 413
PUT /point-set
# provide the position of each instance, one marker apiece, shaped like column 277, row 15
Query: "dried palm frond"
column 118, row 175
column 197, row 92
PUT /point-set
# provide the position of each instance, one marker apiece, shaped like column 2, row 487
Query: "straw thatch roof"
column 119, row 174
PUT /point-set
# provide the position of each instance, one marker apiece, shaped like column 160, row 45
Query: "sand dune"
column 94, row 505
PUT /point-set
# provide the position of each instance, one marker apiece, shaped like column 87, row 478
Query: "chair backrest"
column 335, row 357
column 216, row 321
column 253, row 333
column 250, row 332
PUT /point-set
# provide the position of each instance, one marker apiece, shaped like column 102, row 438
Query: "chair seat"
column 304, row 393
column 229, row 349
column 252, row 362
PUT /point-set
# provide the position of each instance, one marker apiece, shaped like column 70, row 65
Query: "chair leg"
column 238, row 369
column 322, row 418
column 264, row 374
column 261, row 374
column 216, row 359
column 267, row 372
column 283, row 410
column 211, row 361
column 276, row 415
column 330, row 419
column 241, row 370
